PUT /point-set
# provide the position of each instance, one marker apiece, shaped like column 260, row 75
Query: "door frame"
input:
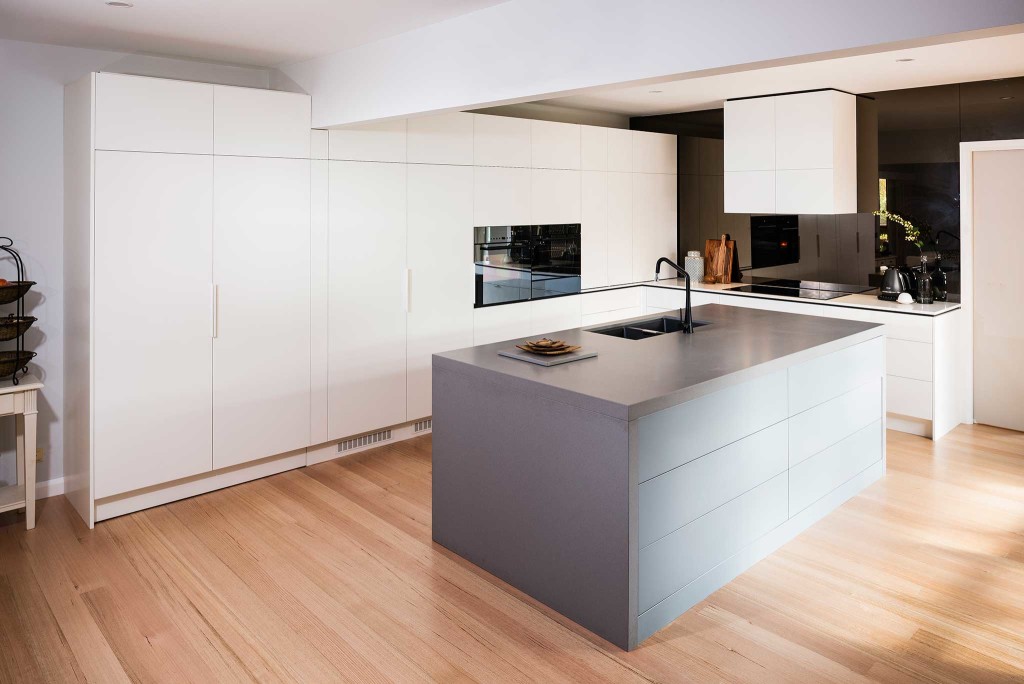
column 967, row 151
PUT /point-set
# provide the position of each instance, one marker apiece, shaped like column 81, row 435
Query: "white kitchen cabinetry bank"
column 187, row 288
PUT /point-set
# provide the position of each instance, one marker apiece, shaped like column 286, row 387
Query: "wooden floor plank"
column 328, row 573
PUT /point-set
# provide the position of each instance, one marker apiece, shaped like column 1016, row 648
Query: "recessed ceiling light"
column 114, row 3
column 655, row 91
column 905, row 59
column 1006, row 97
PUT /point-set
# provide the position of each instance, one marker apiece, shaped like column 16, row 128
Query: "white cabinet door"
column 654, row 222
column 501, row 197
column 441, row 283
column 499, row 323
column 620, row 228
column 594, row 229
column 252, row 122
column 554, row 196
column 750, row 192
column 261, row 266
column 594, row 148
column 554, row 314
column 383, row 141
column 620, row 150
column 367, row 289
column 442, row 139
column 809, row 191
column 555, row 145
column 501, row 141
column 654, row 152
column 804, row 130
column 319, row 228
column 749, row 135
column 139, row 114
column 153, row 372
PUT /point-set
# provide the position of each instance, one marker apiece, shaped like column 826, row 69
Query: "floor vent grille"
column 365, row 440
column 422, row 425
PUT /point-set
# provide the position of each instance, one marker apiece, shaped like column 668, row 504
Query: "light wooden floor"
column 328, row 574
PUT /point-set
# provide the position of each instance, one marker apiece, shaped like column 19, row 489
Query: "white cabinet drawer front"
column 557, row 313
column 749, row 192
column 908, row 359
column 499, row 323
column 708, row 423
column 138, row 114
column 603, row 317
column 815, row 382
column 676, row 560
column 820, row 474
column 251, row 122
column 909, row 397
column 769, row 304
column 609, row 300
column 684, row 494
column 906, row 327
column 664, row 298
column 820, row 427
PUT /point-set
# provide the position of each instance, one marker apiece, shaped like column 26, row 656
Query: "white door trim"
column 967, row 150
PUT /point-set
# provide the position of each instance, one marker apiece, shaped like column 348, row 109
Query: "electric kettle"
column 894, row 282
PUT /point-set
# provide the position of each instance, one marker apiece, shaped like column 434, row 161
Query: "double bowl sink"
column 643, row 330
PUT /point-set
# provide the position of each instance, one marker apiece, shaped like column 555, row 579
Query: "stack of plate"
column 548, row 347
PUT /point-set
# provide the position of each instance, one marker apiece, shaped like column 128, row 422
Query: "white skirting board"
column 48, row 488
column 130, row 502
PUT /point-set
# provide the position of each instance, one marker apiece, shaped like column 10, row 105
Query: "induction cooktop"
column 800, row 289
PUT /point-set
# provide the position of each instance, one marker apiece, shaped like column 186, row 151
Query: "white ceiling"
column 958, row 62
column 253, row 32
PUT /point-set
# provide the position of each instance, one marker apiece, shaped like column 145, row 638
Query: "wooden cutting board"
column 718, row 256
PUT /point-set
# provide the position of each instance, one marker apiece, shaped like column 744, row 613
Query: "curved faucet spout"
column 687, row 315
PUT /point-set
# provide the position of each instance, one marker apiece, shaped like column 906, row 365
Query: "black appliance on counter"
column 800, row 289
column 520, row 263
column 774, row 241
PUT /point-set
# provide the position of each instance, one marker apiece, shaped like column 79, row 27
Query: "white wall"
column 533, row 49
column 32, row 79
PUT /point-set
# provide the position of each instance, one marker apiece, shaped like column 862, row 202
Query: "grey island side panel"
column 538, row 493
column 632, row 378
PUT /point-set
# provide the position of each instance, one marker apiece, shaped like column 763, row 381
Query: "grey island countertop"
column 632, row 378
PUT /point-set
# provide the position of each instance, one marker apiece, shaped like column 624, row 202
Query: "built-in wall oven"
column 774, row 241
column 520, row 263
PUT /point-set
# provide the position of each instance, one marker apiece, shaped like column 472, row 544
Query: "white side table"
column 20, row 401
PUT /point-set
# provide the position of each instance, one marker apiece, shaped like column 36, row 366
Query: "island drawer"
column 815, row 382
column 818, row 475
column 677, row 435
column 820, row 427
column 681, row 557
column 683, row 494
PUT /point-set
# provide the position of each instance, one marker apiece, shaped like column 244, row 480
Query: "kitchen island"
column 621, row 490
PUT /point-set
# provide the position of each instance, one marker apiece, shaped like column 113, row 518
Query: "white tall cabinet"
column 187, row 287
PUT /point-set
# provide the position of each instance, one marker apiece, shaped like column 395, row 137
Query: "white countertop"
column 857, row 301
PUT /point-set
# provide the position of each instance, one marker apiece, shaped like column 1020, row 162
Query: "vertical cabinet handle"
column 858, row 242
column 817, row 240
column 213, row 310
column 407, row 290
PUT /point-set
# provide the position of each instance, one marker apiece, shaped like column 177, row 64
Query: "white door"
column 594, row 229
column 998, row 316
column 254, row 122
column 620, row 228
column 440, row 254
column 153, row 354
column 367, row 293
column 654, row 222
column 261, row 267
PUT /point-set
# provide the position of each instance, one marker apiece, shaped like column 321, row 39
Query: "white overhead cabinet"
column 368, row 296
column 792, row 154
column 195, row 266
column 261, row 271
